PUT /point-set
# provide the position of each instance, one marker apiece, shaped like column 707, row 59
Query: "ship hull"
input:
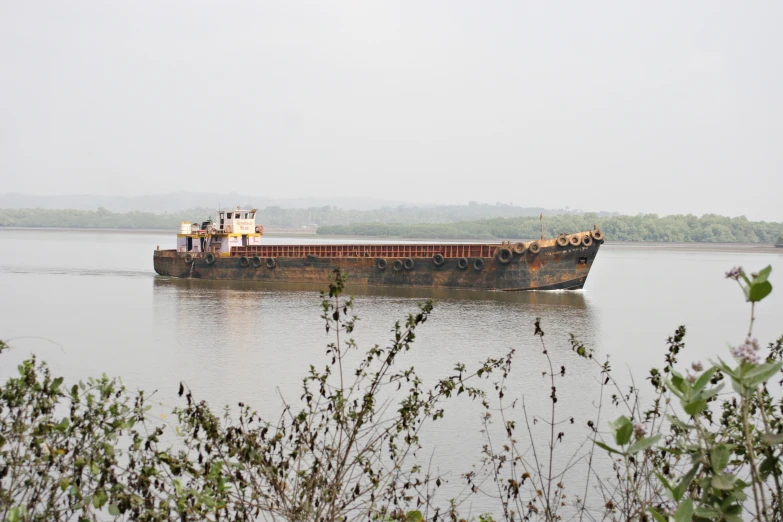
column 554, row 267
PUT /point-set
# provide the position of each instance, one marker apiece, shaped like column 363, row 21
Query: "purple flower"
column 691, row 377
column 639, row 429
column 734, row 273
column 748, row 351
column 697, row 366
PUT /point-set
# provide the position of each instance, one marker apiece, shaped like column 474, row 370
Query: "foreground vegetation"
column 439, row 223
column 687, row 448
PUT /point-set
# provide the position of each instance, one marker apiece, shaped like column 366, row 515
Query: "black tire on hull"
column 478, row 264
column 504, row 256
column 438, row 259
column 462, row 263
column 270, row 262
column 210, row 258
column 381, row 263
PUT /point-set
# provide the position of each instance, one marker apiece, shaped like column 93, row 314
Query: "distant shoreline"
column 293, row 232
column 267, row 231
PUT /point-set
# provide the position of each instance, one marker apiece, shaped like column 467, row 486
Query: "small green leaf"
column 63, row 425
column 643, row 444
column 723, row 482
column 114, row 510
column 99, row 499
column 677, row 422
column 657, row 516
column 664, row 481
column 414, row 516
column 719, row 457
column 607, row 448
column 763, row 275
column 761, row 374
column 703, row 379
column 759, row 291
column 694, row 407
column 768, row 466
column 684, row 512
column 623, row 429
column 685, row 481
column 56, row 384
column 705, row 512
column 678, row 382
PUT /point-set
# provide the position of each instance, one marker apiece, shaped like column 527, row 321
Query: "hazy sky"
column 673, row 107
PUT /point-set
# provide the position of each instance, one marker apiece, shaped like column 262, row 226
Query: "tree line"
column 708, row 228
column 431, row 223
column 270, row 216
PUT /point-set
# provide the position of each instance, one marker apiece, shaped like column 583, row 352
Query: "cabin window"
column 252, row 215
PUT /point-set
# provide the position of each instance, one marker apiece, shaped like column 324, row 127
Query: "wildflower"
column 748, row 351
column 639, row 430
column 691, row 377
column 697, row 366
column 734, row 273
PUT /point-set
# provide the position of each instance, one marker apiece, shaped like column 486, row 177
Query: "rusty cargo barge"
column 231, row 249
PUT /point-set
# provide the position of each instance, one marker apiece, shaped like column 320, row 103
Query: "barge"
column 232, row 249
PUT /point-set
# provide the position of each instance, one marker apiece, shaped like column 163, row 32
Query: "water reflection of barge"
column 232, row 250
column 575, row 300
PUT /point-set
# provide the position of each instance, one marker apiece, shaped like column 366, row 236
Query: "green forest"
column 430, row 223
column 709, row 228
column 271, row 216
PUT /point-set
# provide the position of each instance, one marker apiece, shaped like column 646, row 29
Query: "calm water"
column 89, row 302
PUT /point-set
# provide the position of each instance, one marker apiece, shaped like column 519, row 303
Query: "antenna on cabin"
column 541, row 219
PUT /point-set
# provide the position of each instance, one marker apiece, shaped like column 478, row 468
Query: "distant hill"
column 274, row 216
column 179, row 201
column 286, row 213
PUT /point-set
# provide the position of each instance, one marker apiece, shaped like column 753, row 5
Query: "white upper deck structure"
column 234, row 228
column 237, row 221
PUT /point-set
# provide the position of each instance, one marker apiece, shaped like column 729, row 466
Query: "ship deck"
column 369, row 250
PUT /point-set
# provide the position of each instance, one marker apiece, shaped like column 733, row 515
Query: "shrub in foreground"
column 683, row 449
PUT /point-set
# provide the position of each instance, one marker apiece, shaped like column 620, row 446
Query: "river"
column 89, row 303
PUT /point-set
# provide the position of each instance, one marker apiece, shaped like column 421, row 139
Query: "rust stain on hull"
column 552, row 267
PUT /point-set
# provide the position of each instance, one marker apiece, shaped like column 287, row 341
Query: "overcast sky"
column 674, row 107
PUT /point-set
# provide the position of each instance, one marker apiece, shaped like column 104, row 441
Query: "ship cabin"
column 234, row 228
